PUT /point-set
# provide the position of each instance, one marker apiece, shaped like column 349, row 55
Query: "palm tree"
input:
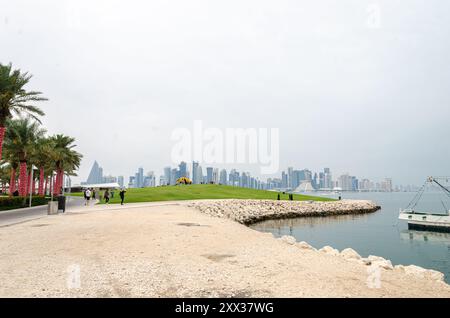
column 42, row 158
column 14, row 99
column 64, row 158
column 20, row 140
column 11, row 159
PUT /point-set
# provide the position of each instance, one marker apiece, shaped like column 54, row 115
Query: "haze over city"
column 357, row 86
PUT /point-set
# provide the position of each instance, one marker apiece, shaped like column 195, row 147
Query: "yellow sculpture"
column 184, row 180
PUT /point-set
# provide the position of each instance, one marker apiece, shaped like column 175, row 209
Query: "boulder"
column 304, row 245
column 366, row 261
column 329, row 250
column 288, row 239
column 380, row 262
column 350, row 253
column 421, row 272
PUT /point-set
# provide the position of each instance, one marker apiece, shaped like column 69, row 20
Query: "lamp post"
column 51, row 186
column 31, row 183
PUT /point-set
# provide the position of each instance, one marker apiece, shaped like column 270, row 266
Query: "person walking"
column 122, row 195
column 93, row 194
column 88, row 196
column 106, row 196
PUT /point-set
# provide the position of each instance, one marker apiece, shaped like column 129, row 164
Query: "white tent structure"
column 113, row 185
column 305, row 186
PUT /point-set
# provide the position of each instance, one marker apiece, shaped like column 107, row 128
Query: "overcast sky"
column 358, row 86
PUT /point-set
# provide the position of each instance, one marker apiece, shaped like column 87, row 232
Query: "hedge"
column 9, row 203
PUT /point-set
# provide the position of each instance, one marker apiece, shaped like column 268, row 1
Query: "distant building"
column 109, row 179
column 120, row 181
column 284, row 180
column 162, row 181
column 209, row 174
column 223, row 177
column 173, row 176
column 195, row 174
column 234, row 178
column 96, row 174
column 131, row 182
column 149, row 180
column 290, row 177
column 345, row 182
column 140, row 178
column 200, row 178
column 167, row 175
column 386, row 185
column 182, row 170
column 328, row 181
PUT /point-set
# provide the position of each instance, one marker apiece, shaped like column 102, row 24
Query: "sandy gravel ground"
column 171, row 250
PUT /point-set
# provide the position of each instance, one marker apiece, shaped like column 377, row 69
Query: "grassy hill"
column 202, row 191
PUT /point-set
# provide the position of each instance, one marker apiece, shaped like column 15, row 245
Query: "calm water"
column 380, row 233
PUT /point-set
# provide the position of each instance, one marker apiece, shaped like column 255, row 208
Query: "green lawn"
column 201, row 191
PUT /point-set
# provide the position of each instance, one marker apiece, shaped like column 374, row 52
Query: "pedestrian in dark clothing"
column 93, row 194
column 122, row 195
column 106, row 196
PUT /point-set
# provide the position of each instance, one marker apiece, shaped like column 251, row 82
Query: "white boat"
column 427, row 220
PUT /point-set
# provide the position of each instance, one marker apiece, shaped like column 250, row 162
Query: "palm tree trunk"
column 56, row 183
column 46, row 185
column 23, row 178
column 41, row 181
column 59, row 181
column 2, row 136
column 12, row 182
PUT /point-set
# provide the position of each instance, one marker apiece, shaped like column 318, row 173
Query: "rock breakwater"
column 252, row 211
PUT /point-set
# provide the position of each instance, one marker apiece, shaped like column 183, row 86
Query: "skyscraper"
column 182, row 170
column 215, row 178
column 345, row 182
column 233, row 178
column 140, row 176
column 209, row 174
column 284, row 180
column 120, row 181
column 195, row 179
column 200, row 174
column 131, row 182
column 290, row 177
column 96, row 174
column 328, row 182
column 167, row 175
column 223, row 177
column 386, row 185
column 174, row 176
column 149, row 180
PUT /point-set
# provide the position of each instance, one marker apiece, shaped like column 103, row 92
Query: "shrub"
column 9, row 203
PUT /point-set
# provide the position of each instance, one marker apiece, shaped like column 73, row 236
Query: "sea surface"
column 379, row 233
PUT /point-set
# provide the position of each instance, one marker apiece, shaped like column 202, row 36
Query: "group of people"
column 91, row 193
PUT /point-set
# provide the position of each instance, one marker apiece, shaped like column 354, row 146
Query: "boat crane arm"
column 433, row 179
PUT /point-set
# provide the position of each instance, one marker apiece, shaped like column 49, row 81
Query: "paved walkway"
column 16, row 216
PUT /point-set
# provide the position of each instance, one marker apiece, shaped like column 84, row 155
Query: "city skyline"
column 292, row 179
